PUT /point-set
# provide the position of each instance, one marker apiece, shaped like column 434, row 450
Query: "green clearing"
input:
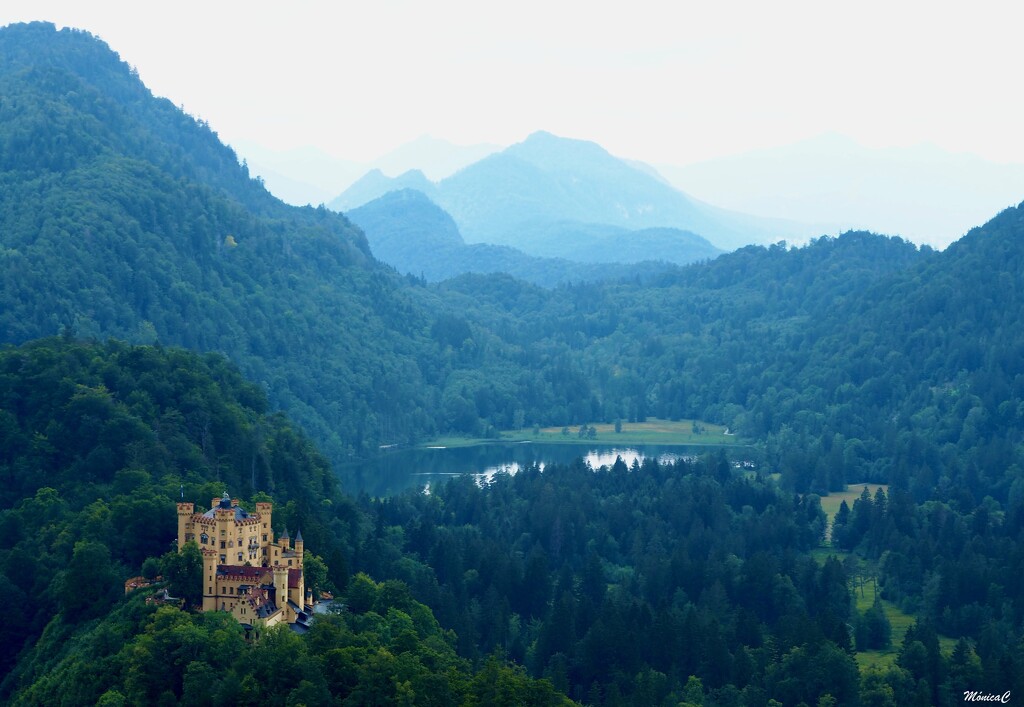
column 822, row 553
column 830, row 504
column 898, row 620
column 653, row 431
column 864, row 591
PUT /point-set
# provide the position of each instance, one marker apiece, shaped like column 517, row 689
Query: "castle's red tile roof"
column 243, row 571
column 263, row 575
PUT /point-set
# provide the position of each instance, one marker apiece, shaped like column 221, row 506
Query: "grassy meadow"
column 864, row 591
column 653, row 431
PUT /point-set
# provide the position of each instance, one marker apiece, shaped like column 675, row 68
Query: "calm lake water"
column 396, row 471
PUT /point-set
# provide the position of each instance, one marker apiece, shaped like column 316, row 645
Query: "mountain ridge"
column 108, row 231
column 100, row 239
column 547, row 179
column 410, row 232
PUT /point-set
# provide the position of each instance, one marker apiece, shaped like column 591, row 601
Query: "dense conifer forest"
column 171, row 329
column 99, row 441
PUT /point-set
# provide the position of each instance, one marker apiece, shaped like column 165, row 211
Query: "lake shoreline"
column 691, row 433
column 400, row 469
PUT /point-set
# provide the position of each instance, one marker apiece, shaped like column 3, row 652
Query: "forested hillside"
column 648, row 585
column 120, row 216
column 123, row 217
column 854, row 358
column 689, row 583
column 858, row 357
column 97, row 443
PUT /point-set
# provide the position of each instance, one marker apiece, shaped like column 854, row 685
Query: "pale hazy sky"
column 671, row 82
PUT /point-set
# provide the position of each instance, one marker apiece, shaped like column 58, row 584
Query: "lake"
column 396, row 471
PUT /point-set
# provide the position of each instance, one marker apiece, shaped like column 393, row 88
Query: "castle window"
column 204, row 537
column 264, row 537
column 239, row 557
column 222, row 545
column 289, row 563
column 223, row 559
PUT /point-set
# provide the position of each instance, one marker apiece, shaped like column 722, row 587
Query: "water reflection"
column 425, row 468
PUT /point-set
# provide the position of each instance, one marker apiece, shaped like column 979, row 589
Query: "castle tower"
column 299, row 546
column 281, row 591
column 185, row 511
column 209, row 579
column 266, row 530
column 284, row 544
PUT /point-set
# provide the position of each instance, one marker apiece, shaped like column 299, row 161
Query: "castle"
column 245, row 571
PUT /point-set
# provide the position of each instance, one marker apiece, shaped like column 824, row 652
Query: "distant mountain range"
column 857, row 358
column 922, row 193
column 307, row 175
column 831, row 182
column 549, row 195
column 375, row 184
column 121, row 216
column 408, row 231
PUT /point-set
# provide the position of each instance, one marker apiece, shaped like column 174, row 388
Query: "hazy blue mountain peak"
column 375, row 184
column 551, row 152
column 533, row 190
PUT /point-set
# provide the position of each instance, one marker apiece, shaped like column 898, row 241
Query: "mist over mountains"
column 518, row 196
column 922, row 193
column 857, row 358
column 123, row 217
column 408, row 231
column 307, row 175
column 825, row 184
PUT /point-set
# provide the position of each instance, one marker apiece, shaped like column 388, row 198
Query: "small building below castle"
column 246, row 571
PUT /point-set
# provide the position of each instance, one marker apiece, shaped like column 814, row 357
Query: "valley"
column 172, row 332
